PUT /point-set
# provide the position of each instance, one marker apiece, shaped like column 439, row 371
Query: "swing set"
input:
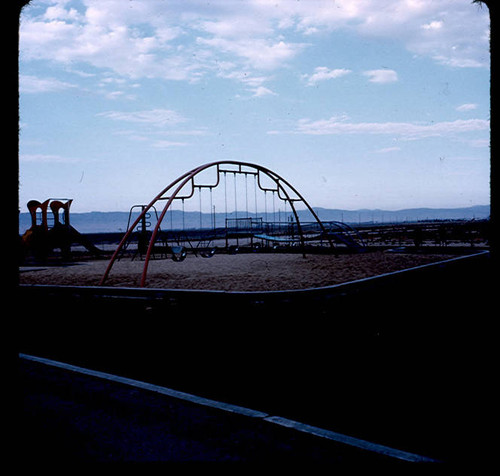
column 252, row 229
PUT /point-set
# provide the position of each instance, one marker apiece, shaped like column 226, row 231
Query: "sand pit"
column 242, row 272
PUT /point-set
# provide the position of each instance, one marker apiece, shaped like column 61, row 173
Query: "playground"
column 248, row 229
column 363, row 331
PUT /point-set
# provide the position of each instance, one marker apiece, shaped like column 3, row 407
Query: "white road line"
column 148, row 386
column 277, row 420
column 349, row 440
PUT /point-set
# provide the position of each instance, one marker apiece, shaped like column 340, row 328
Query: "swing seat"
column 207, row 253
column 178, row 253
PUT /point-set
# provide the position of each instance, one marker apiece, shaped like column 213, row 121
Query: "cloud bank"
column 141, row 39
column 408, row 130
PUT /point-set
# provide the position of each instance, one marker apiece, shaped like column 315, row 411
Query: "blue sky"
column 358, row 103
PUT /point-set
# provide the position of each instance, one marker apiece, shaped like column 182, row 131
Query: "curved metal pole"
column 184, row 179
column 160, row 219
column 299, row 227
column 277, row 179
column 292, row 206
column 131, row 229
column 187, row 177
column 302, row 199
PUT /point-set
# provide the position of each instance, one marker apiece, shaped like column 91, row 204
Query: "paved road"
column 69, row 417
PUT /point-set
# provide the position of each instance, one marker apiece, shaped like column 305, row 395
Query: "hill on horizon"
column 109, row 222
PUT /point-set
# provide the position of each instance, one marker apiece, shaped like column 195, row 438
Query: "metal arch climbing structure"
column 174, row 191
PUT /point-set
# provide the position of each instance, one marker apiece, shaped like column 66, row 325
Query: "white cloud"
column 44, row 40
column 113, row 95
column 33, row 84
column 322, row 73
column 433, row 25
column 105, row 37
column 408, row 130
column 155, row 117
column 253, row 83
column 381, row 76
column 262, row 91
column 154, row 138
column 236, row 25
column 143, row 38
column 246, row 77
column 466, row 107
column 479, row 142
column 458, row 62
column 386, row 150
column 257, row 53
column 433, row 29
column 429, row 28
column 139, row 39
column 58, row 12
column 166, row 144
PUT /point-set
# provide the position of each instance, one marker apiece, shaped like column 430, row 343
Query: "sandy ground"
column 242, row 272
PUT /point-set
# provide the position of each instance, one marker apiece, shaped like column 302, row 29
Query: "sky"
column 357, row 103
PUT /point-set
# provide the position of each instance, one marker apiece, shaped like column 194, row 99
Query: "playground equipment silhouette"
column 251, row 232
column 48, row 233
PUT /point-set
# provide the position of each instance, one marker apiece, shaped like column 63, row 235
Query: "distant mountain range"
column 107, row 222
